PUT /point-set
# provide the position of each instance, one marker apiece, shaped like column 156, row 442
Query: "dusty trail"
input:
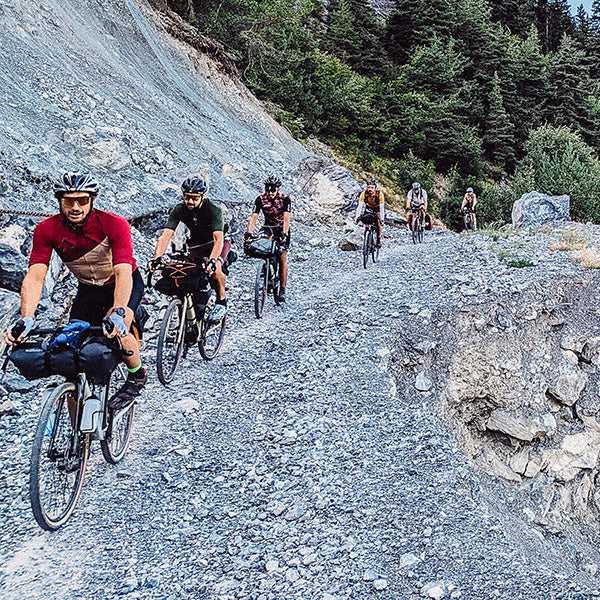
column 293, row 465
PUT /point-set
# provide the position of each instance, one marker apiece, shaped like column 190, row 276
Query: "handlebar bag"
column 260, row 248
column 30, row 360
column 97, row 359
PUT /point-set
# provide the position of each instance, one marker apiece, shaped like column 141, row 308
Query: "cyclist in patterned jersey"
column 276, row 208
column 204, row 219
column 97, row 248
column 371, row 201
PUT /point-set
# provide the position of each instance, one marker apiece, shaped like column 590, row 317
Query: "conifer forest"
column 502, row 96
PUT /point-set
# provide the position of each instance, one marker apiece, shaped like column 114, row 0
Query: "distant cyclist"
column 204, row 219
column 372, row 202
column 276, row 207
column 469, row 202
column 97, row 248
column 416, row 200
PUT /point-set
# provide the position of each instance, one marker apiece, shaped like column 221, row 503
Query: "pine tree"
column 571, row 85
column 553, row 20
column 498, row 137
column 515, row 15
column 525, row 84
column 400, row 36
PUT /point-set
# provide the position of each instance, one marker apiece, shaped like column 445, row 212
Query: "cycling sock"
column 223, row 302
column 137, row 372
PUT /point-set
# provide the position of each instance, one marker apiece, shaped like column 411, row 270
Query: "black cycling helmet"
column 372, row 181
column 272, row 180
column 194, row 185
column 73, row 181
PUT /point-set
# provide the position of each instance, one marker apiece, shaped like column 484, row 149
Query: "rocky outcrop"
column 535, row 209
column 522, row 399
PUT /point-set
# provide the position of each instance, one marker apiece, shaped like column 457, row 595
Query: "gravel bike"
column 74, row 413
column 186, row 321
column 468, row 218
column 416, row 225
column 369, row 238
column 268, row 275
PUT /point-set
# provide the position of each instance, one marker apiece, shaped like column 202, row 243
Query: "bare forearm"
column 123, row 285
column 31, row 290
column 252, row 222
column 217, row 245
column 163, row 242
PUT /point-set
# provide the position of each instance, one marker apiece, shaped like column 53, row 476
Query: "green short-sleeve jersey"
column 202, row 221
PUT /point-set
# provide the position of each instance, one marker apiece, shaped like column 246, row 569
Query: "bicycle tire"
column 260, row 289
column 211, row 334
column 59, row 458
column 120, row 425
column 468, row 222
column 415, row 224
column 276, row 281
column 366, row 247
column 420, row 232
column 374, row 249
column 171, row 342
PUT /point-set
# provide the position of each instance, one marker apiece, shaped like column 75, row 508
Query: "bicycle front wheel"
column 261, row 286
column 275, row 280
column 374, row 249
column 119, row 424
column 58, row 460
column 211, row 333
column 171, row 342
column 420, row 232
column 366, row 247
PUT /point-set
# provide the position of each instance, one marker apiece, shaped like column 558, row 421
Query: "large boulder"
column 535, row 209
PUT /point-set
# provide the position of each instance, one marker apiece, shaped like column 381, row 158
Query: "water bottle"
column 70, row 334
column 90, row 415
column 50, row 424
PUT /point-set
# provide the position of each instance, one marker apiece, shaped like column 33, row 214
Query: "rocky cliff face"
column 105, row 87
column 514, row 364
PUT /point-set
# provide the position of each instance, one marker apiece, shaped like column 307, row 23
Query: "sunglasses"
column 270, row 188
column 70, row 202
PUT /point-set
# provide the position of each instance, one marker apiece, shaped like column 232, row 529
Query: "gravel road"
column 294, row 465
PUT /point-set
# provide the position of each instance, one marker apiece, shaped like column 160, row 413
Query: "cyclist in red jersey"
column 97, row 248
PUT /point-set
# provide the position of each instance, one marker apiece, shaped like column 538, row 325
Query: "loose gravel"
column 294, row 465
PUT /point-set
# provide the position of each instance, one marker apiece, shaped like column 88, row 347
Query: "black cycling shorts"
column 92, row 302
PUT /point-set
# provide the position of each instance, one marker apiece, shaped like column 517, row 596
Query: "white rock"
column 272, row 565
column 423, row 383
column 380, row 584
column 408, row 559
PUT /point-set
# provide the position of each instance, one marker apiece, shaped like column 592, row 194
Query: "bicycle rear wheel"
column 58, row 460
column 119, row 424
column 171, row 342
column 261, row 286
column 211, row 334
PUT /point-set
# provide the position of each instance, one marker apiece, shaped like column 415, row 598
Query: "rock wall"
column 518, row 382
column 106, row 87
